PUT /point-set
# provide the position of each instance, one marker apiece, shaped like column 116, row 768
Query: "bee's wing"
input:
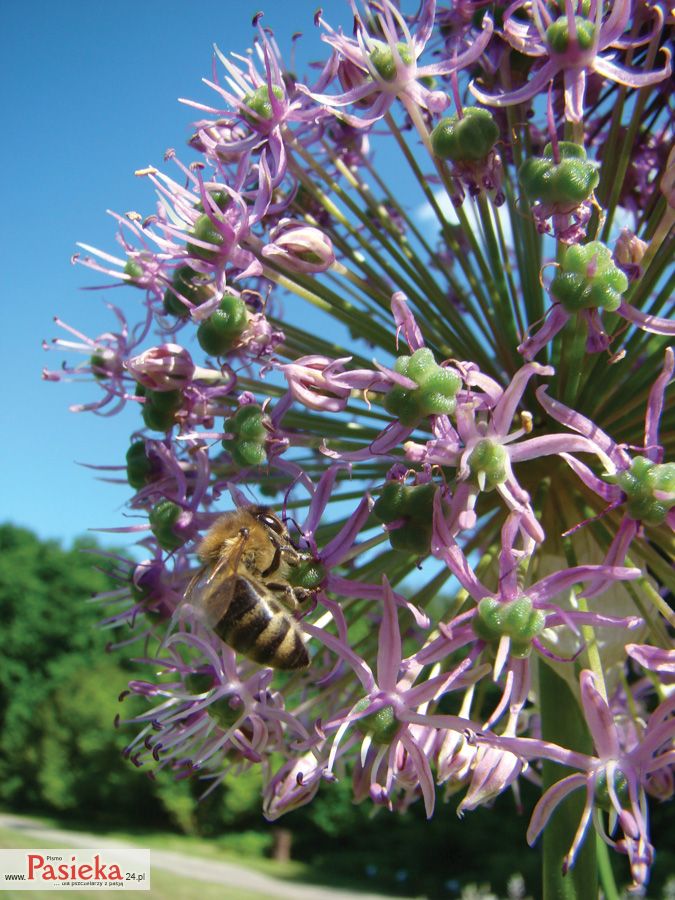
column 210, row 592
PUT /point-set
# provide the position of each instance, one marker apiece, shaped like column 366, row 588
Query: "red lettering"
column 84, row 873
column 115, row 874
column 100, row 870
column 35, row 861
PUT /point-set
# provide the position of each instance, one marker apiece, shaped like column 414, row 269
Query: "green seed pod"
column 258, row 102
column 160, row 408
column 419, row 501
column 435, row 394
column 558, row 34
column 194, row 286
column 98, row 365
column 602, row 797
column 661, row 477
column 488, row 464
column 570, row 181
column 139, row 467
column 488, row 622
column 247, row 422
column 246, row 453
column 639, row 484
column 163, row 516
column 412, row 537
column 205, row 230
column 468, row 139
column 220, row 198
column 588, row 279
column 198, row 682
column 515, row 619
column 392, row 502
column 133, row 269
column 381, row 725
column 225, row 712
column 219, row 333
column 419, row 365
column 247, row 446
column 403, row 404
column 521, row 621
column 382, row 58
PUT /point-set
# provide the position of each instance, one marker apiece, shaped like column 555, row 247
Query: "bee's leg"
column 284, row 593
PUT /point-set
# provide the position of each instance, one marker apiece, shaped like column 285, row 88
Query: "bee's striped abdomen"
column 260, row 628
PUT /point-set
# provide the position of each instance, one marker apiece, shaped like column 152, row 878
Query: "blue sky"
column 89, row 94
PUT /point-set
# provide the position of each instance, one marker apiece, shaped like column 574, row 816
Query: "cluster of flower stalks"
column 445, row 376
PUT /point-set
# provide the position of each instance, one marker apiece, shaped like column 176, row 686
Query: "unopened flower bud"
column 628, row 253
column 299, row 248
column 294, row 785
column 311, row 383
column 164, row 368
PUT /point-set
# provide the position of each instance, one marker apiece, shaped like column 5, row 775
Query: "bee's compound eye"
column 273, row 523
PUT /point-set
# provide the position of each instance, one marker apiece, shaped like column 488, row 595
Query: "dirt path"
column 197, row 868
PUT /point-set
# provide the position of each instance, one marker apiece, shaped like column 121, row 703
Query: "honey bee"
column 242, row 590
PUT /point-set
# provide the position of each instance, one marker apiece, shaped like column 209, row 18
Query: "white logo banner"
column 72, row 870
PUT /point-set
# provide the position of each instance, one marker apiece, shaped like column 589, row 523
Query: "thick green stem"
column 563, row 723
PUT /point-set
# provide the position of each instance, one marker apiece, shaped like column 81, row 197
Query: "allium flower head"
column 434, row 447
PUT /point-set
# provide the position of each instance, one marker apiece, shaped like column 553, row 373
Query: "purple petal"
column 548, row 803
column 634, row 78
column 655, row 407
column 655, row 659
column 333, row 552
column 526, row 92
column 389, row 643
column 560, row 581
column 599, row 717
column 505, row 409
column 360, row 667
column 405, row 321
column 422, row 770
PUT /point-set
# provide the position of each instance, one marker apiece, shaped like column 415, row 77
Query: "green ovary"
column 516, row 619
column 434, row 394
column 639, row 484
